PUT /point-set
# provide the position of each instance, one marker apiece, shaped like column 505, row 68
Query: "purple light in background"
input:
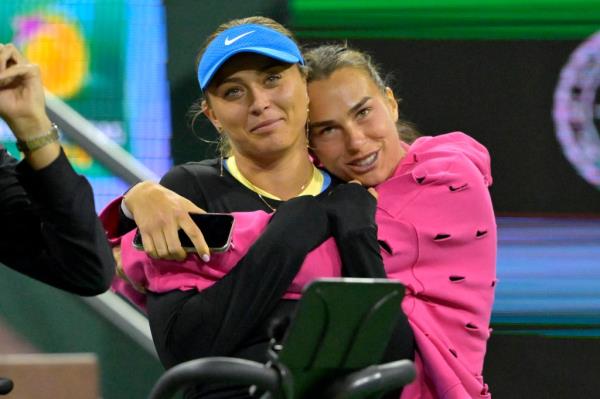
column 576, row 110
column 26, row 27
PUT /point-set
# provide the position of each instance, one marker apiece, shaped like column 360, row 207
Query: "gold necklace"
column 265, row 202
column 236, row 173
column 299, row 191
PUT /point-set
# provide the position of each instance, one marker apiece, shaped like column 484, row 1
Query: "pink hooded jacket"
column 438, row 229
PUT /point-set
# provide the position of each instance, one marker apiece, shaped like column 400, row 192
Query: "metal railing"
column 96, row 143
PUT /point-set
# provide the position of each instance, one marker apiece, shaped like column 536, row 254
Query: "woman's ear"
column 392, row 102
column 210, row 114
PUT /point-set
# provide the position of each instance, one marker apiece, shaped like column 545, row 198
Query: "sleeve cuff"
column 53, row 184
column 126, row 212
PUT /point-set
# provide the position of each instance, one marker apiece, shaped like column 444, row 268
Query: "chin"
column 370, row 180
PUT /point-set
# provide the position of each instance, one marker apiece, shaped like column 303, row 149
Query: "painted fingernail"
column 205, row 257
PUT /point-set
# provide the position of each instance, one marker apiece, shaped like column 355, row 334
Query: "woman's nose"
column 259, row 100
column 355, row 138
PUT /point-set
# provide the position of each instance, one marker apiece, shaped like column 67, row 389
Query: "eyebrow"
column 351, row 111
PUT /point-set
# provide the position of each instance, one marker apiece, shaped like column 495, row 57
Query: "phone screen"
column 217, row 229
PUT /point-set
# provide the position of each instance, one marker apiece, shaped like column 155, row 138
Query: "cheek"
column 329, row 156
column 383, row 131
column 382, row 128
column 234, row 116
column 294, row 99
column 393, row 152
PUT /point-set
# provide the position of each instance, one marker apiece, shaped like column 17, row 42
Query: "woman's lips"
column 364, row 164
column 266, row 126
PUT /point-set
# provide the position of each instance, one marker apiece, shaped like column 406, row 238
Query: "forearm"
column 32, row 126
column 44, row 156
column 360, row 253
column 55, row 235
column 351, row 211
column 74, row 263
column 246, row 296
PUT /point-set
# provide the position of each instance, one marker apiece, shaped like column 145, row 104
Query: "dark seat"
column 331, row 350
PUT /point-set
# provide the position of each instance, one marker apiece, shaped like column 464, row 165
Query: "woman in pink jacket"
column 436, row 225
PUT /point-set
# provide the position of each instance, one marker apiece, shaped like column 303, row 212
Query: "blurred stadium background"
column 522, row 77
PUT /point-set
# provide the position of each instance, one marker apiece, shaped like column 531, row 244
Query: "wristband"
column 27, row 146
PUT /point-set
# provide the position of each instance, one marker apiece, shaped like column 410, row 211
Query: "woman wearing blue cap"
column 255, row 94
column 433, row 199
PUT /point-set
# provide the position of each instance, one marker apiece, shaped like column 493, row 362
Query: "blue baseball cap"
column 250, row 38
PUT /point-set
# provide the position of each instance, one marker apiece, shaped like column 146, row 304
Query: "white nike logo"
column 235, row 39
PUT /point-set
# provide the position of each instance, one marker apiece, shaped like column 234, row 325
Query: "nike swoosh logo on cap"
column 235, row 39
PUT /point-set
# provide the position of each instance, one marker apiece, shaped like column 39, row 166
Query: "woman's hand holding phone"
column 217, row 229
column 159, row 214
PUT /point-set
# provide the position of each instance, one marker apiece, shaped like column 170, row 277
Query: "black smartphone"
column 217, row 229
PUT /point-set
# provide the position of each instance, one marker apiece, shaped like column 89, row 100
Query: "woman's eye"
column 326, row 131
column 363, row 112
column 273, row 78
column 232, row 92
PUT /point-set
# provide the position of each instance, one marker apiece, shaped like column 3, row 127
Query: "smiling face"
column 353, row 126
column 261, row 104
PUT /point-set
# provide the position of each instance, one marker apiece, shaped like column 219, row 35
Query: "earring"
column 221, row 157
column 307, row 130
column 307, row 126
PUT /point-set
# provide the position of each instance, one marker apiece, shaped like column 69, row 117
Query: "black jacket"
column 49, row 227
